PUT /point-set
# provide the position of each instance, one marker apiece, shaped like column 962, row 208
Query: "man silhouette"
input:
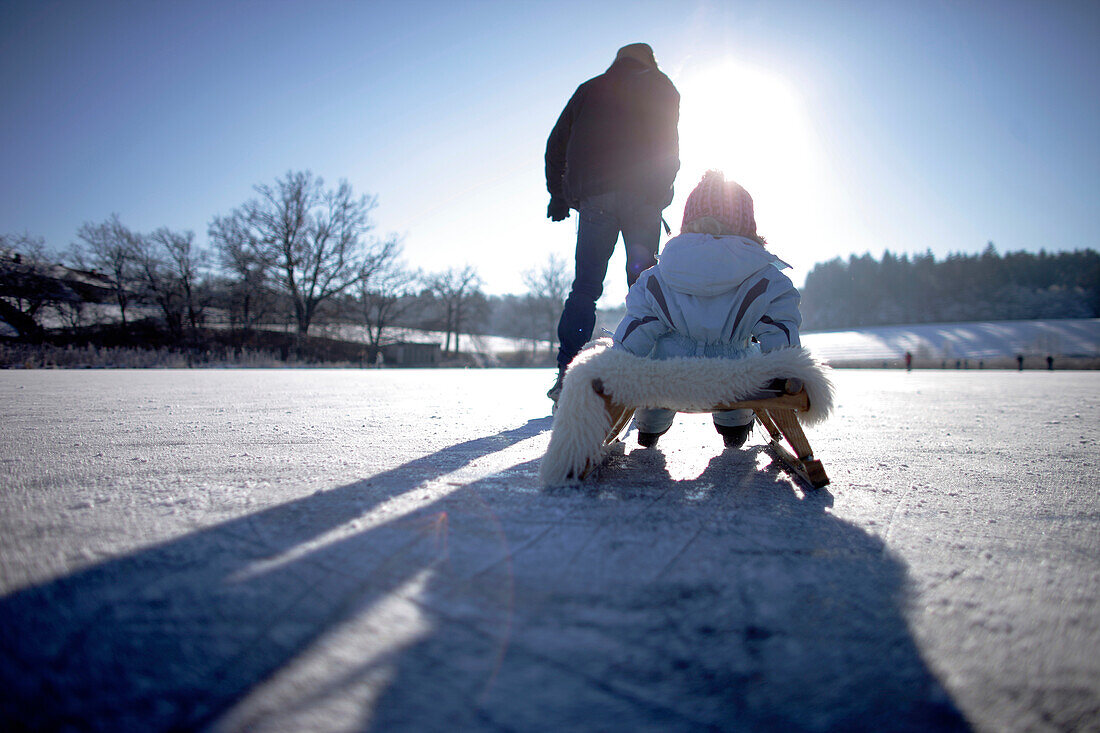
column 613, row 156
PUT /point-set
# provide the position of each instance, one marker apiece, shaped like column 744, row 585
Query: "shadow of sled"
column 173, row 635
column 603, row 387
column 777, row 416
column 654, row 605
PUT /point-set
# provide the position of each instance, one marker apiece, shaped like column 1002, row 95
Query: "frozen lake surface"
column 370, row 550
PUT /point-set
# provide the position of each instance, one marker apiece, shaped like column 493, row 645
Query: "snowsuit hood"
column 702, row 264
column 710, row 296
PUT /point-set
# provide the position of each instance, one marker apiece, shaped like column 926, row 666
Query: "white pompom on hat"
column 726, row 201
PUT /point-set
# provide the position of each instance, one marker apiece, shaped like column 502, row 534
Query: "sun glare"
column 744, row 120
column 750, row 123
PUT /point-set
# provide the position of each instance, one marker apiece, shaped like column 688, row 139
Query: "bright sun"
column 750, row 123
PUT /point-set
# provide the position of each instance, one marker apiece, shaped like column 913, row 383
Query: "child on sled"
column 716, row 291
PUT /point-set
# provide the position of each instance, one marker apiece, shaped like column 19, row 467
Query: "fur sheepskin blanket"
column 581, row 422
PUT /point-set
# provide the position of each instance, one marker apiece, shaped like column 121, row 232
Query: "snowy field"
column 930, row 343
column 287, row 550
column 946, row 343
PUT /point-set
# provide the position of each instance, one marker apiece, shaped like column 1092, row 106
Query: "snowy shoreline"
column 1072, row 344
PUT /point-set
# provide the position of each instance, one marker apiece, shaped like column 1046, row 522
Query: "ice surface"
column 369, row 550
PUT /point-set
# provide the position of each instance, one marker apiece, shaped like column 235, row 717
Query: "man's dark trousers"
column 602, row 218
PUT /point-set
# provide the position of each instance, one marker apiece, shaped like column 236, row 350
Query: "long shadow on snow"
column 170, row 636
column 728, row 601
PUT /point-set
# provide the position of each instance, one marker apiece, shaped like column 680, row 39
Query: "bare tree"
column 517, row 316
column 313, row 240
column 26, row 248
column 31, row 283
column 456, row 289
column 547, row 287
column 154, row 282
column 239, row 253
column 385, row 293
column 25, row 287
column 188, row 264
column 109, row 248
column 169, row 267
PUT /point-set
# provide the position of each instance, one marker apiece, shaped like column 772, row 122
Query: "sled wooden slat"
column 620, row 418
column 802, row 461
column 787, row 423
column 769, row 425
column 799, row 401
column 777, row 415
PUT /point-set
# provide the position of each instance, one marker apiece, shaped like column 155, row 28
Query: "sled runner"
column 776, row 415
column 785, row 389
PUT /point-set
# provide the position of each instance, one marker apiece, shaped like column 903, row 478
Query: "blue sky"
column 857, row 126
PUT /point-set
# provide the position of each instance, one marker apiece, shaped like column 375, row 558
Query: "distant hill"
column 1073, row 342
column 993, row 343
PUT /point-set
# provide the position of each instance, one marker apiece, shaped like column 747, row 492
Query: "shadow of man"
column 729, row 601
column 171, row 636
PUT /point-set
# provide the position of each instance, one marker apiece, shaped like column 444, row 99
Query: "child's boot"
column 648, row 440
column 734, row 436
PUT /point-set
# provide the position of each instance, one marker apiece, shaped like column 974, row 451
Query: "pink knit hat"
column 724, row 200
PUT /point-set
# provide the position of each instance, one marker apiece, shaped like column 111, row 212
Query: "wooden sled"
column 777, row 415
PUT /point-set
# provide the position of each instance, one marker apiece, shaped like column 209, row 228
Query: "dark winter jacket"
column 617, row 133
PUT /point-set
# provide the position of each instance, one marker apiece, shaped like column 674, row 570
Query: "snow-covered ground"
column 952, row 341
column 292, row 550
column 927, row 342
column 931, row 344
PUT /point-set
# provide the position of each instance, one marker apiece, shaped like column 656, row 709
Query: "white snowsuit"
column 708, row 296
